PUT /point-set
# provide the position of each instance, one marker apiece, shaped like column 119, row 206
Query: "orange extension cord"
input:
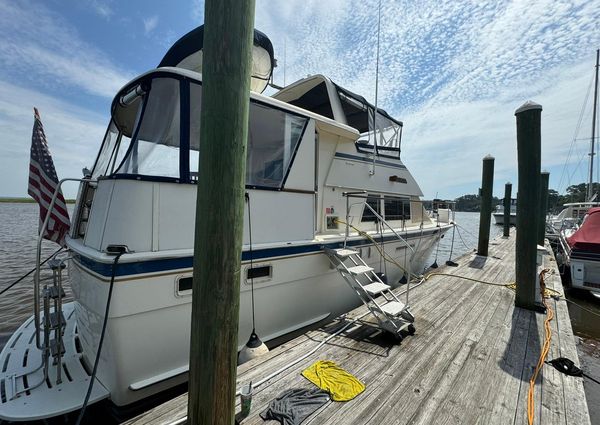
column 543, row 354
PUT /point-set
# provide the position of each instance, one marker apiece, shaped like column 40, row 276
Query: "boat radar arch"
column 187, row 53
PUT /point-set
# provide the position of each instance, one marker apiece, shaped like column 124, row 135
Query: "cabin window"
column 159, row 147
column 272, row 140
column 107, row 152
column 376, row 128
column 155, row 151
column 368, row 215
column 195, row 107
column 315, row 100
column 396, row 209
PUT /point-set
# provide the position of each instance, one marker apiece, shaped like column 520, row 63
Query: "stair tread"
column 376, row 288
column 393, row 308
column 359, row 269
column 345, row 252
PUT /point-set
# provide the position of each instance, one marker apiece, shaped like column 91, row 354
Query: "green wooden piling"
column 544, row 177
column 228, row 35
column 507, row 199
column 485, row 216
column 528, row 198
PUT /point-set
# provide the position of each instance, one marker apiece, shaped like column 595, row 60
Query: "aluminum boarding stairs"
column 392, row 314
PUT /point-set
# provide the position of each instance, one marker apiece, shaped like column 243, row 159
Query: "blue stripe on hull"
column 155, row 266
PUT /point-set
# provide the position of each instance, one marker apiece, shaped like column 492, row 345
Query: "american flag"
column 42, row 184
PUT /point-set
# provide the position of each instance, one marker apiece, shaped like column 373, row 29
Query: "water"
column 18, row 241
column 18, row 238
column 465, row 238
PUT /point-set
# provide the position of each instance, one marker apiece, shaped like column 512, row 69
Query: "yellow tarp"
column 341, row 385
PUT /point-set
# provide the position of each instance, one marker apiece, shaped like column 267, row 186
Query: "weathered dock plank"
column 469, row 362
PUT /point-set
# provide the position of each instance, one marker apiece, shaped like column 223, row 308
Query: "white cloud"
column 38, row 46
column 197, row 12
column 101, row 8
column 150, row 24
column 74, row 135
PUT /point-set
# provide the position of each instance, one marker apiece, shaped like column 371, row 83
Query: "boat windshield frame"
column 185, row 80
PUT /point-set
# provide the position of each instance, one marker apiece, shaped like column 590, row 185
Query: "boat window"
column 273, row 137
column 272, row 140
column 155, row 150
column 396, row 209
column 107, row 151
column 372, row 125
column 315, row 100
column 195, row 106
column 367, row 213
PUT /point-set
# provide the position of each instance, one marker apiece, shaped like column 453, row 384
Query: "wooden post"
column 544, row 177
column 528, row 198
column 507, row 202
column 485, row 216
column 228, row 37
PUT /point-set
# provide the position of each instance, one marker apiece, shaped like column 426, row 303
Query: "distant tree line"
column 472, row 203
column 574, row 193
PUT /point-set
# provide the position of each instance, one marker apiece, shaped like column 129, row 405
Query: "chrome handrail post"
column 347, row 219
column 38, row 259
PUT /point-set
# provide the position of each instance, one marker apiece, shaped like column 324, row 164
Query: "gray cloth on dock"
column 291, row 407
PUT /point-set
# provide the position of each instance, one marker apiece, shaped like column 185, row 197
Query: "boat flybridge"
column 328, row 199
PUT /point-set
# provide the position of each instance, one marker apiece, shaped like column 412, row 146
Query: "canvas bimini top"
column 587, row 237
column 187, row 53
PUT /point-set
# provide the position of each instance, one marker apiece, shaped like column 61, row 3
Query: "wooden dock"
column 469, row 362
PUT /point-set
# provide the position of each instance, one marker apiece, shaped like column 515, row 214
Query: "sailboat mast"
column 593, row 140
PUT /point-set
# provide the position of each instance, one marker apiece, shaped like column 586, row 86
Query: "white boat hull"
column 148, row 316
column 585, row 272
column 499, row 218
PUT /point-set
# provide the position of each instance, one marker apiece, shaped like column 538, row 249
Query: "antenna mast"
column 376, row 91
column 593, row 140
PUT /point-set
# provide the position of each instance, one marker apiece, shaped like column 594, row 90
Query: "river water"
column 18, row 238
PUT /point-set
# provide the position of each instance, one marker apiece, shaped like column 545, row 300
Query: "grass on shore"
column 26, row 200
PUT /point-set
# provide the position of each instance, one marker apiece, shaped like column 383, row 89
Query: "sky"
column 453, row 71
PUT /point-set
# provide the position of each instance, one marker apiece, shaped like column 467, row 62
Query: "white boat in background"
column 577, row 227
column 499, row 213
column 581, row 252
column 309, row 145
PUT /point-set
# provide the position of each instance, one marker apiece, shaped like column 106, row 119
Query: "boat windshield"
column 165, row 137
column 377, row 129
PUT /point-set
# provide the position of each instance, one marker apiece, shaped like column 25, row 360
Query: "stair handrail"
column 36, row 276
column 382, row 220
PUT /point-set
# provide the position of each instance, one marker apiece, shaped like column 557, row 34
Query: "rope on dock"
column 511, row 285
column 543, row 354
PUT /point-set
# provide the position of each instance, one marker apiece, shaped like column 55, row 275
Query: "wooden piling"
column 528, row 118
column 507, row 201
column 544, row 177
column 485, row 216
column 228, row 35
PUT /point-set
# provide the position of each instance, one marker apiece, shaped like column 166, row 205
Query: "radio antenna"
column 376, row 91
